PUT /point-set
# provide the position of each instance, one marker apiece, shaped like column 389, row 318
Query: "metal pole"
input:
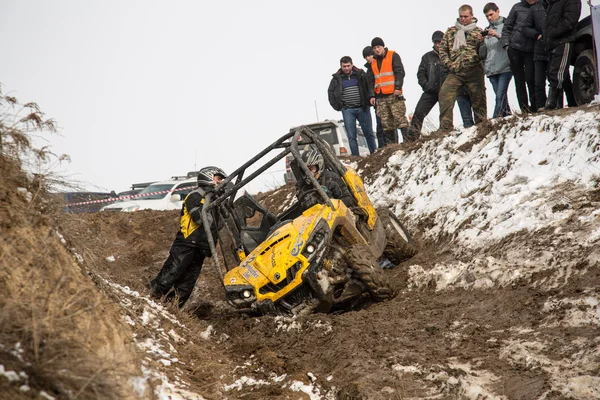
column 316, row 111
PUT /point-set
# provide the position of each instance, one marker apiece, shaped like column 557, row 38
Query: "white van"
column 334, row 133
column 164, row 195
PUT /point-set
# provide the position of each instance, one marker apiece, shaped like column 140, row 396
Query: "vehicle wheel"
column 366, row 269
column 400, row 245
column 585, row 86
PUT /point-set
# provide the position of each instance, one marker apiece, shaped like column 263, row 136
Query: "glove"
column 360, row 213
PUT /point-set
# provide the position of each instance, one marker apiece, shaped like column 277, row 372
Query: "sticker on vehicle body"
column 232, row 280
column 250, row 271
column 297, row 246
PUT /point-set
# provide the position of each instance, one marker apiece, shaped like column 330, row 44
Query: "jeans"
column 500, row 84
column 466, row 110
column 363, row 115
column 380, row 137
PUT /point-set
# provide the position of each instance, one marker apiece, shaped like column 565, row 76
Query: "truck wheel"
column 365, row 267
column 399, row 243
column 585, row 85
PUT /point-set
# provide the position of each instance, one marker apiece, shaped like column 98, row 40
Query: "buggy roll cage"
column 221, row 200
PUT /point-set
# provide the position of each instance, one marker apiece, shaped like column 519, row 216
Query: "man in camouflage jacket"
column 459, row 52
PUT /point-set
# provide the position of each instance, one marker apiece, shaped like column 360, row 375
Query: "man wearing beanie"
column 349, row 92
column 387, row 77
column 368, row 55
column 431, row 75
column 459, row 52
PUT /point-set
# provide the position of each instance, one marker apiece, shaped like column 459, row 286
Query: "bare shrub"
column 58, row 330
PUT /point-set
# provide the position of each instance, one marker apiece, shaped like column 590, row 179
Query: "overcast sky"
column 143, row 90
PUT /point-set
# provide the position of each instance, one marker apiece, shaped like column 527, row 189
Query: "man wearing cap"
column 431, row 75
column 349, row 92
column 387, row 76
column 368, row 55
column 459, row 51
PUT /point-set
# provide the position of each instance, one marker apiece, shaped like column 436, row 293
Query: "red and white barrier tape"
column 135, row 196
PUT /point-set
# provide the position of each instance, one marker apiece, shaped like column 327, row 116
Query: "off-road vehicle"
column 302, row 260
column 585, row 78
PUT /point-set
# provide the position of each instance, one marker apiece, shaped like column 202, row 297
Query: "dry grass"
column 57, row 327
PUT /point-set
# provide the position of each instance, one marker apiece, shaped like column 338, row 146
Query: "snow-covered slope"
column 481, row 189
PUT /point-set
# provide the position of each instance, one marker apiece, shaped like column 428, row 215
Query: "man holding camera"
column 496, row 63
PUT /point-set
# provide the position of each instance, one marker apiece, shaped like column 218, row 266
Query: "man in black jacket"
column 431, row 75
column 520, row 53
column 534, row 29
column 186, row 256
column 349, row 93
column 330, row 182
column 561, row 21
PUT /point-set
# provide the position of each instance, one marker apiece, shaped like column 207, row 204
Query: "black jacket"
column 397, row 67
column 431, row 73
column 333, row 186
column 512, row 34
column 561, row 20
column 334, row 91
column 534, row 27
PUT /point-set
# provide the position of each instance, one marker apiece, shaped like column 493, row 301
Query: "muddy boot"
column 391, row 136
column 551, row 102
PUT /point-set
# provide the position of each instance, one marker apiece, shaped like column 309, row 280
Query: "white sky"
column 144, row 90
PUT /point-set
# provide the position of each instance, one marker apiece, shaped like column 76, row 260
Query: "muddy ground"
column 516, row 338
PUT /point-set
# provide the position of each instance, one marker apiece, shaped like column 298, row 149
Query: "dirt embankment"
column 516, row 318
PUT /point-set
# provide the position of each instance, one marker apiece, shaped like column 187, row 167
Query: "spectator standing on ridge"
column 562, row 17
column 388, row 78
column 431, row 74
column 349, row 92
column 520, row 53
column 368, row 55
column 496, row 64
column 465, row 107
column 186, row 256
column 534, row 30
column 459, row 51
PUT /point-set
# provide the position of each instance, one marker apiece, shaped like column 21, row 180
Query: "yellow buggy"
column 303, row 260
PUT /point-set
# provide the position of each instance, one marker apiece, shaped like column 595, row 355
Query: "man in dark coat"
column 180, row 271
column 349, row 92
column 561, row 21
column 534, row 29
column 431, row 75
column 520, row 53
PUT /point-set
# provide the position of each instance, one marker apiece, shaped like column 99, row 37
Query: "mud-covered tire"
column 400, row 245
column 365, row 267
column 585, row 85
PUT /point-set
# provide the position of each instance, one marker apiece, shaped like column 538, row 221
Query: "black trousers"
column 559, row 61
column 424, row 106
column 541, row 76
column 180, row 271
column 521, row 65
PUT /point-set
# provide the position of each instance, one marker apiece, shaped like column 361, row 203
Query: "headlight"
column 310, row 249
column 246, row 294
column 131, row 208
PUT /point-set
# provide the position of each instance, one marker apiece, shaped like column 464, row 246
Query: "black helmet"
column 206, row 174
column 313, row 157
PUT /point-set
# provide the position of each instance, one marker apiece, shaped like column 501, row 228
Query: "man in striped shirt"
column 349, row 93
